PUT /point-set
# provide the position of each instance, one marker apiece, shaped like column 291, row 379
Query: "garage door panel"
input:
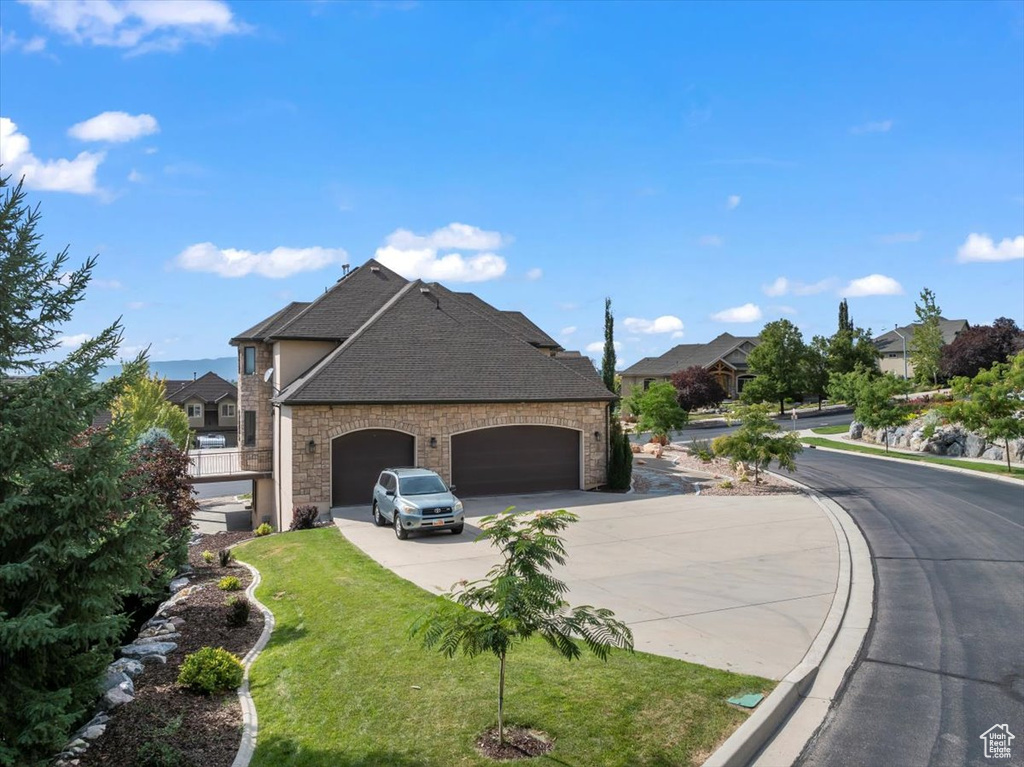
column 358, row 458
column 516, row 459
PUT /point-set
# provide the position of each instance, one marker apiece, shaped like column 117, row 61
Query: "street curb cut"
column 904, row 461
column 249, row 721
column 765, row 724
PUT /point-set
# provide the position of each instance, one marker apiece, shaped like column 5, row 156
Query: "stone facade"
column 254, row 394
column 311, row 472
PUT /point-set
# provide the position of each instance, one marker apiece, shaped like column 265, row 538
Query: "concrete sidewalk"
column 737, row 583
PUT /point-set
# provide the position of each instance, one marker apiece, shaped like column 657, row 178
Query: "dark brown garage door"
column 515, row 459
column 357, row 459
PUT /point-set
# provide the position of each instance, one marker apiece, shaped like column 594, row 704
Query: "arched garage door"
column 515, row 459
column 357, row 459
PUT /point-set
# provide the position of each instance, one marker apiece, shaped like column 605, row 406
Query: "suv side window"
column 387, row 481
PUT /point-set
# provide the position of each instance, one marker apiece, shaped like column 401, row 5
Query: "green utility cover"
column 749, row 700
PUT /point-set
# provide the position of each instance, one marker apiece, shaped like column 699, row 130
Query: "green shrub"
column 262, row 530
column 210, row 670
column 238, row 611
column 701, row 448
column 229, row 583
column 154, row 753
column 726, row 485
column 304, row 517
column 225, row 556
column 208, row 557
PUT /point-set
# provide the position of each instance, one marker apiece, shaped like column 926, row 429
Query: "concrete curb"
column 249, row 721
column 929, row 464
column 776, row 733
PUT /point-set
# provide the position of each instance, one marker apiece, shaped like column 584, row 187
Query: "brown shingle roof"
column 207, row 388
column 515, row 322
column 428, row 344
column 891, row 342
column 262, row 329
column 687, row 355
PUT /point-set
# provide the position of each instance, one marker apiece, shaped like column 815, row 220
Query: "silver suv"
column 415, row 499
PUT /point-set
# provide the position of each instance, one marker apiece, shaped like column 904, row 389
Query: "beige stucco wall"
column 293, row 358
column 311, row 473
column 195, row 423
column 227, row 420
column 894, row 365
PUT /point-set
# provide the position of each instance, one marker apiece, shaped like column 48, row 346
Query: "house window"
column 250, row 428
column 894, row 355
column 227, row 410
column 647, row 383
column 195, row 411
column 249, row 364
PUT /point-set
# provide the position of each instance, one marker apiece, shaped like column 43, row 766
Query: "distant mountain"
column 225, row 367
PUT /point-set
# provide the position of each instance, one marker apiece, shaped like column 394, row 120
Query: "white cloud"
column 275, row 264
column 534, row 274
column 880, row 126
column 150, row 150
column 898, row 237
column 114, row 127
column 77, row 176
column 733, row 202
column 981, row 247
column 73, row 342
column 568, row 331
column 136, row 305
column 418, row 256
column 782, row 286
column 137, row 25
column 10, row 41
column 135, row 177
column 872, row 285
column 598, row 347
column 664, row 324
column 745, row 313
column 711, row 241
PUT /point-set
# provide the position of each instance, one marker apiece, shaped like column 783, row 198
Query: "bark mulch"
column 520, row 743
column 166, row 724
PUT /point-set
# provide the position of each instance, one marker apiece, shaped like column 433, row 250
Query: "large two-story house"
column 381, row 371
column 210, row 403
column 725, row 357
column 894, row 347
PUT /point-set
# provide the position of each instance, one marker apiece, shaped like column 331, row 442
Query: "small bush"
column 226, row 556
column 726, row 485
column 304, row 517
column 701, row 448
column 154, row 753
column 238, row 611
column 210, row 670
column 262, row 530
column 208, row 557
column 229, row 583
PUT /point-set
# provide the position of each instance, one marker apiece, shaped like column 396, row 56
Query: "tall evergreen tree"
column 73, row 538
column 845, row 323
column 608, row 361
column 926, row 343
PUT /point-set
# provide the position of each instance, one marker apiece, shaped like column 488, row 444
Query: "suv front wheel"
column 400, row 532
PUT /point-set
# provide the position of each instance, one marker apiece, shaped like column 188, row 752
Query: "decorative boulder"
column 856, row 430
column 994, row 453
column 150, row 648
column 974, row 445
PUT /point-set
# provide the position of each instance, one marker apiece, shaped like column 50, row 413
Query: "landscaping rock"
column 974, row 446
column 178, row 584
column 140, row 651
column 159, row 639
column 856, row 430
column 118, row 696
column 126, row 665
column 149, row 660
column 994, row 453
column 91, row 733
column 113, row 679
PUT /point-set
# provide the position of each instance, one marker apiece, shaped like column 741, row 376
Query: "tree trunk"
column 886, row 433
column 819, row 403
column 1008, row 467
column 782, row 407
column 501, row 702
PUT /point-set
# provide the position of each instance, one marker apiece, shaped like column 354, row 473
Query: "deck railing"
column 228, row 463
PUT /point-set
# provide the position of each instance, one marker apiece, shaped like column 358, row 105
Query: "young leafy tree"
column 620, row 457
column 992, row 402
column 697, row 388
column 777, row 362
column 758, row 442
column 518, row 599
column 73, row 539
column 980, row 347
column 143, row 406
column 877, row 404
column 926, row 343
column 816, row 368
column 659, row 410
column 608, row 360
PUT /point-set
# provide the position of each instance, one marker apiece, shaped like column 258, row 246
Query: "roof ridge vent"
column 374, row 268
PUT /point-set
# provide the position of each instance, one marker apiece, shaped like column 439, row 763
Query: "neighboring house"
column 892, row 349
column 383, row 372
column 210, row 403
column 725, row 357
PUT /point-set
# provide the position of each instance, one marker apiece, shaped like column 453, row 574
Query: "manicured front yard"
column 342, row 684
column 836, row 429
column 989, row 468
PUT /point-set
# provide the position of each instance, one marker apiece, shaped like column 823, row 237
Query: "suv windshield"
column 422, row 485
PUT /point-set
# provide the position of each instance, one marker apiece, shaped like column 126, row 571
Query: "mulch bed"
column 520, row 743
column 196, row 730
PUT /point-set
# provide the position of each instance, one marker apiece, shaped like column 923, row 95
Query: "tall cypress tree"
column 73, row 538
column 608, row 361
column 845, row 323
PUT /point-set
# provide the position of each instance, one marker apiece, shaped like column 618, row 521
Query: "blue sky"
column 710, row 167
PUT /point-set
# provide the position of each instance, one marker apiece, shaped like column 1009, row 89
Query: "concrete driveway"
column 737, row 583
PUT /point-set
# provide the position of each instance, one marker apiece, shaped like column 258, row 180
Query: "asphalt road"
column 944, row 659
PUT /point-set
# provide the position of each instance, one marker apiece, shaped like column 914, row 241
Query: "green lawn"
column 837, row 429
column 990, row 468
column 342, row 684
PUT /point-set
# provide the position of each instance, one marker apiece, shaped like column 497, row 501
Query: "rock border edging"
column 250, row 722
column 854, row 603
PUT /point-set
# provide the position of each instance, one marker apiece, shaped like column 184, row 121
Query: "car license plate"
column 437, row 522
